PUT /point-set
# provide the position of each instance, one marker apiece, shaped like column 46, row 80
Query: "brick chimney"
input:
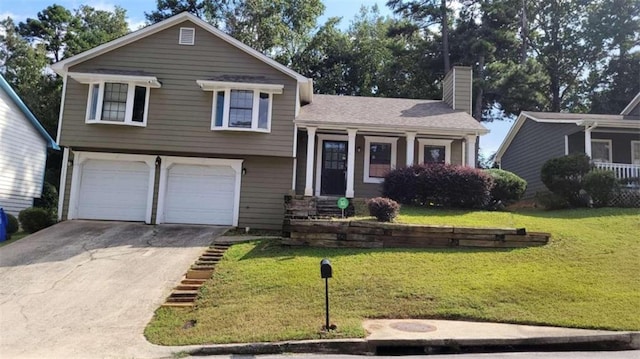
column 456, row 88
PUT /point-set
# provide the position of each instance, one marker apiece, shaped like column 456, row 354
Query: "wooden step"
column 181, row 299
column 188, row 286
column 193, row 281
column 178, row 304
column 183, row 293
column 199, row 273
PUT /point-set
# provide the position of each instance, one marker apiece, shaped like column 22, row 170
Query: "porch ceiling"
column 389, row 115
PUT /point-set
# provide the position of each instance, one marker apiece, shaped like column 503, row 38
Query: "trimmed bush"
column 34, row 219
column 563, row 176
column 12, row 224
column 601, row 185
column 400, row 184
column 507, row 186
column 384, row 209
column 452, row 186
column 439, row 185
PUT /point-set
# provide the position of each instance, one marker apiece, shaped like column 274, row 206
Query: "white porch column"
column 351, row 161
column 471, row 150
column 411, row 145
column 587, row 140
column 311, row 145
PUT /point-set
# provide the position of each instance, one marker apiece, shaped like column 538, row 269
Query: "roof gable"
column 635, row 102
column 27, row 113
column 62, row 66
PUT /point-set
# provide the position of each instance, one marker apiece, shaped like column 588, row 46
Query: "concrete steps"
column 185, row 294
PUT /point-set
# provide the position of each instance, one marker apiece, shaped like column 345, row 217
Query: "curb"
column 604, row 342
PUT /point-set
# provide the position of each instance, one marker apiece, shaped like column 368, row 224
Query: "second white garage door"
column 200, row 194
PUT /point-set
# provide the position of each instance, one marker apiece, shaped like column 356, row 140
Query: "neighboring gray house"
column 611, row 141
column 180, row 123
column 23, row 152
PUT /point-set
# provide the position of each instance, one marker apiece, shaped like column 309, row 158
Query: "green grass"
column 14, row 237
column 587, row 277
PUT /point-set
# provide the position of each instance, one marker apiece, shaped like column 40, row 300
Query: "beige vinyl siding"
column 447, row 89
column 266, row 182
column 179, row 116
column 463, row 89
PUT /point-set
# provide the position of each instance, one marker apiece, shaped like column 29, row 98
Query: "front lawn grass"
column 586, row 277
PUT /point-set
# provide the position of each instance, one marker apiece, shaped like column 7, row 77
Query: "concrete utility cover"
column 414, row 327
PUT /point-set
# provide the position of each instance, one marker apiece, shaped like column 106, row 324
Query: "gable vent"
column 187, row 36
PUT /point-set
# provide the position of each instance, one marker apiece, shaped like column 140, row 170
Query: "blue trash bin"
column 4, row 223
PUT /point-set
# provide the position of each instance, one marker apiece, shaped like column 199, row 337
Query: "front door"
column 334, row 168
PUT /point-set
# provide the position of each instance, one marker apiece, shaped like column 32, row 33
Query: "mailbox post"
column 326, row 272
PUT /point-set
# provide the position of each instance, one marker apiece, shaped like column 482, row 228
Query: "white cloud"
column 135, row 24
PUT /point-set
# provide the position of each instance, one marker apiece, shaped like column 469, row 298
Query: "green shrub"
column 12, row 224
column 440, row 185
column 34, row 219
column 384, row 209
column 400, row 184
column 563, row 177
column 601, row 185
column 550, row 201
column 49, row 199
column 507, row 186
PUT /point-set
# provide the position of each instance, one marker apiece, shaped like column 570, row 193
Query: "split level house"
column 181, row 123
column 611, row 141
column 23, row 152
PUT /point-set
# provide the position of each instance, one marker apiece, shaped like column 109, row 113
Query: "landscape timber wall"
column 370, row 234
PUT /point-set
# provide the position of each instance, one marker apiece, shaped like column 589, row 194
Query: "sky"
column 20, row 10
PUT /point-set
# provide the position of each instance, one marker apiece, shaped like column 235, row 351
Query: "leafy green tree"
column 95, row 27
column 210, row 10
column 53, row 26
column 279, row 28
column 426, row 13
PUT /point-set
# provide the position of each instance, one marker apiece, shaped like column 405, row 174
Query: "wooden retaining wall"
column 370, row 234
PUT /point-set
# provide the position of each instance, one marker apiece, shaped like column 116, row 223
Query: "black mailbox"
column 325, row 269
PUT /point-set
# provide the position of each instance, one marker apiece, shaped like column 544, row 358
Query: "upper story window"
column 241, row 106
column 434, row 151
column 379, row 157
column 117, row 99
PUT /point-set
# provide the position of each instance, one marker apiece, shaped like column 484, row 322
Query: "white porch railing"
column 622, row 170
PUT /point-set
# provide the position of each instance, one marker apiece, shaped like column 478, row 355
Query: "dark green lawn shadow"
column 272, row 248
column 577, row 213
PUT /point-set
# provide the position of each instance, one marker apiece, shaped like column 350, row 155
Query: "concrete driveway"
column 87, row 289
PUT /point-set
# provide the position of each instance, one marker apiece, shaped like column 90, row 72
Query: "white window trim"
column 319, row 145
column 193, row 39
column 368, row 140
column 609, row 142
column 128, row 121
column 431, row 142
column 81, row 157
column 169, row 161
column 633, row 160
column 227, row 87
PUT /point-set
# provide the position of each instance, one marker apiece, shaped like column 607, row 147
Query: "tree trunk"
column 524, row 32
column 445, row 36
column 477, row 108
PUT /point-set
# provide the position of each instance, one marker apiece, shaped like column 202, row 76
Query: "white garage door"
column 200, row 194
column 113, row 190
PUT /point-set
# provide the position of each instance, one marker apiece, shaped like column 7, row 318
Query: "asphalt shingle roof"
column 378, row 112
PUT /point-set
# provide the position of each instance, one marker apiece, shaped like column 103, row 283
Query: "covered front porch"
column 615, row 149
column 349, row 162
